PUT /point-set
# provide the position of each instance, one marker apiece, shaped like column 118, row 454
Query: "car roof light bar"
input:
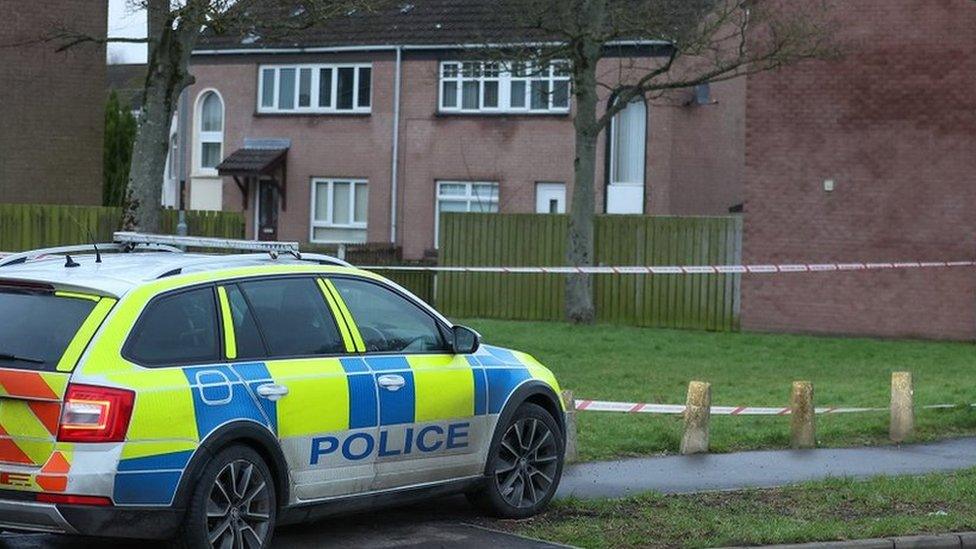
column 273, row 248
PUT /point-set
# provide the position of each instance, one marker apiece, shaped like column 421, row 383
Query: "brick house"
column 871, row 157
column 363, row 132
column 51, row 104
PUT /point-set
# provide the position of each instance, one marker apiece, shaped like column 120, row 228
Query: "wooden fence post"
column 572, row 449
column 698, row 409
column 803, row 432
column 902, row 406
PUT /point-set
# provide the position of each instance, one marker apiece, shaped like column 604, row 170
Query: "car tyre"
column 233, row 505
column 524, row 465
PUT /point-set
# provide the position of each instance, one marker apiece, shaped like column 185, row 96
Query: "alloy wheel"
column 527, row 462
column 239, row 507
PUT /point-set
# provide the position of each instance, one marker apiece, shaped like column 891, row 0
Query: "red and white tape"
column 683, row 269
column 647, row 408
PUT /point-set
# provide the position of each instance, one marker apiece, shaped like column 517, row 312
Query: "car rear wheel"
column 234, row 504
column 524, row 465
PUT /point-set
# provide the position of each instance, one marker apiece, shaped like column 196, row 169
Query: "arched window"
column 210, row 132
column 628, row 151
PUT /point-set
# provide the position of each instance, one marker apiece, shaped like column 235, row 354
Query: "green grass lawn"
column 623, row 363
column 829, row 510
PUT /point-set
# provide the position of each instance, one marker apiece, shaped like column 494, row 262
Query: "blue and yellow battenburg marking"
column 341, row 396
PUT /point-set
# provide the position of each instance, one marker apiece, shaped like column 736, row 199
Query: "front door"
column 628, row 151
column 267, row 210
column 432, row 425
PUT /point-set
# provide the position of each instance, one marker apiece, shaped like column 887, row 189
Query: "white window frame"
column 314, row 107
column 202, row 137
column 469, row 197
column 328, row 223
column 474, row 71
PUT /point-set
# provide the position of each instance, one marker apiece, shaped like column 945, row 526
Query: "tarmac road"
column 446, row 522
column 450, row 522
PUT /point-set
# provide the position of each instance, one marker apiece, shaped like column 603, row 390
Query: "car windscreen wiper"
column 19, row 358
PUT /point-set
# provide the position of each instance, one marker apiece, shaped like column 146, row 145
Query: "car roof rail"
column 325, row 260
column 23, row 257
column 201, row 262
column 131, row 241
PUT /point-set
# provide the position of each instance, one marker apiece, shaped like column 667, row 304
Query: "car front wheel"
column 524, row 465
column 234, row 504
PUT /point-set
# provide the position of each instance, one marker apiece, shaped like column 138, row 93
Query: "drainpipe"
column 181, row 198
column 182, row 136
column 394, row 164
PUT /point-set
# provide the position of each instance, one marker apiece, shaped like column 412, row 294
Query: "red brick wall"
column 51, row 104
column 694, row 154
column 893, row 123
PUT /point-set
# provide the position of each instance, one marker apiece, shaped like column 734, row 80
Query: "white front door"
column 550, row 198
column 628, row 151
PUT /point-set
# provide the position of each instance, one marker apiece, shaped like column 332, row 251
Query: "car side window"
column 293, row 316
column 389, row 322
column 247, row 336
column 179, row 328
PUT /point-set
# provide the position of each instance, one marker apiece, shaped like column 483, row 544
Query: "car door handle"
column 272, row 391
column 391, row 382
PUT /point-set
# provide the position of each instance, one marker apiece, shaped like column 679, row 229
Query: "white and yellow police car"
column 151, row 393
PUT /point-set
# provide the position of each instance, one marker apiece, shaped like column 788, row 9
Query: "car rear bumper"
column 33, row 517
column 88, row 520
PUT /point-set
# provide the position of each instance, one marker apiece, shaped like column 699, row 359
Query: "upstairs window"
column 315, row 88
column 491, row 86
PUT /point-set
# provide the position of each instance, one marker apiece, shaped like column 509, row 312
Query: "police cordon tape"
column 673, row 269
column 677, row 409
column 680, row 269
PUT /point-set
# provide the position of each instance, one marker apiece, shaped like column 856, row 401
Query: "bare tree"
column 173, row 29
column 691, row 42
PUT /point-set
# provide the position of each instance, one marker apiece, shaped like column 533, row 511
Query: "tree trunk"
column 579, row 243
column 167, row 76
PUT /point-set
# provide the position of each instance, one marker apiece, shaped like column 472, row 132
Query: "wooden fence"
column 31, row 226
column 674, row 301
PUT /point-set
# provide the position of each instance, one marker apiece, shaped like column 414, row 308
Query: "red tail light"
column 95, row 414
column 74, row 500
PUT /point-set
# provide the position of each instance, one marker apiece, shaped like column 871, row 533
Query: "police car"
column 151, row 393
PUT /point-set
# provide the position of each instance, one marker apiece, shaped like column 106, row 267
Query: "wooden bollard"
column 572, row 449
column 902, row 406
column 698, row 409
column 803, row 431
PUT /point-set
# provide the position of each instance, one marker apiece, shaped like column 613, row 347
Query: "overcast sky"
column 123, row 21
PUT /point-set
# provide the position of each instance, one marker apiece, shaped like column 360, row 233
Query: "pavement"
column 452, row 523
column 711, row 472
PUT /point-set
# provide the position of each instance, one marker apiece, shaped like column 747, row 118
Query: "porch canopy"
column 259, row 160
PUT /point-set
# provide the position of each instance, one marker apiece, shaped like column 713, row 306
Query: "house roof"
column 406, row 22
column 127, row 80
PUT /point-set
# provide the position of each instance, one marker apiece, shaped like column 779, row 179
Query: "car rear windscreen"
column 36, row 328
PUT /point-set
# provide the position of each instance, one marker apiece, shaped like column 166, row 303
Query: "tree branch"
column 83, row 39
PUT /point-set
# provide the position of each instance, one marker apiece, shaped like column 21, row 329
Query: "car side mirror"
column 466, row 340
